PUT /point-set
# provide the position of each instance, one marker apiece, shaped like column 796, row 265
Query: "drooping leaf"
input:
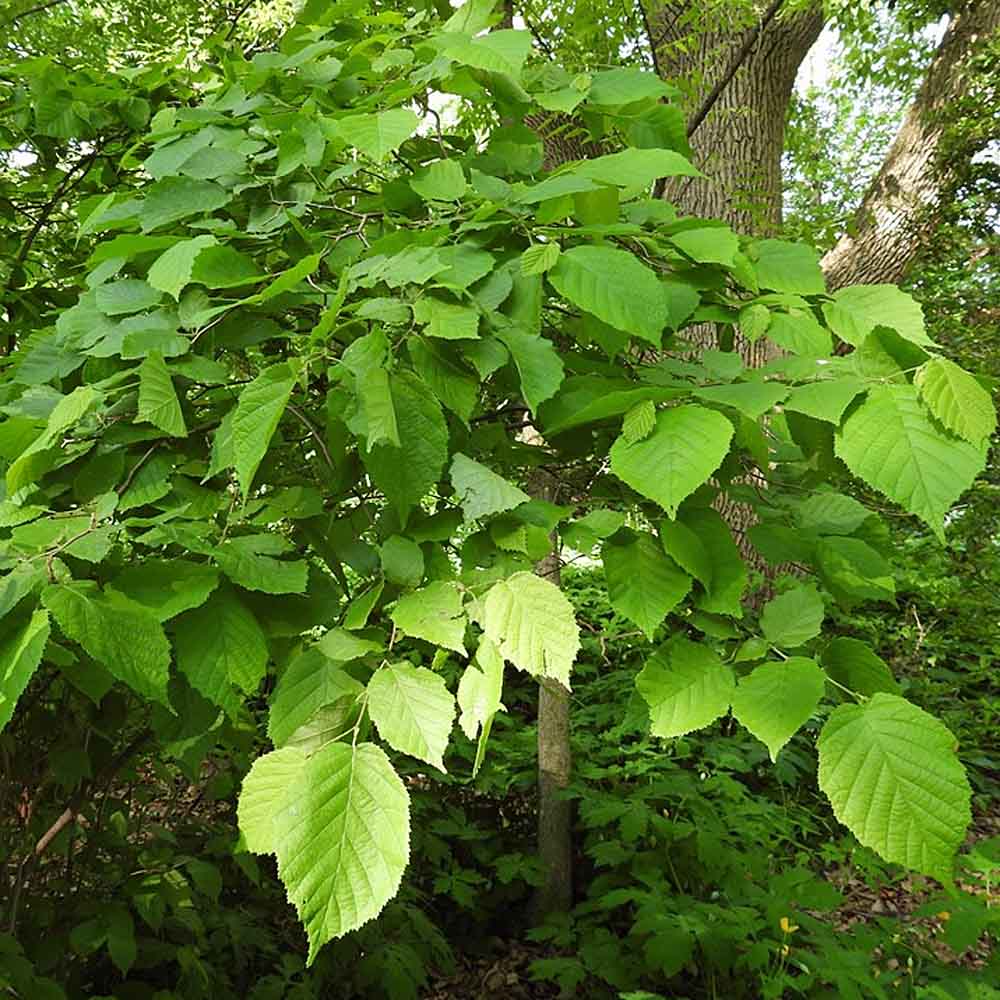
column 412, row 710
column 480, row 491
column 479, row 693
column 777, row 698
column 686, row 686
column 532, row 623
column 687, row 446
column 890, row 442
column 825, row 400
column 729, row 571
column 122, row 636
column 158, row 403
column 855, row 665
column 891, row 774
column 258, row 412
column 615, row 287
column 644, row 584
column 538, row 363
column 20, row 654
column 251, row 562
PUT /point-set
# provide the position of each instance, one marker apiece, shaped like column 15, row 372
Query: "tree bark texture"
column 897, row 215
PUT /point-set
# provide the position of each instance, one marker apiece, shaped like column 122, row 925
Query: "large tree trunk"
column 897, row 215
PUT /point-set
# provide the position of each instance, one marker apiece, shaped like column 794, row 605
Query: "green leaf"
column 158, row 403
column 799, row 332
column 435, row 614
column 634, row 169
column 644, row 584
column 220, row 645
column 263, row 795
column 890, row 442
column 20, row 653
column 375, row 396
column 793, row 618
column 129, row 295
column 639, row 422
column 250, row 562
column 499, row 51
column 830, row 513
column 788, row 267
column 167, row 586
column 708, row 245
column 753, row 399
column 858, row 309
column 480, row 491
column 891, row 774
column 956, row 399
column 342, row 839
column 405, row 474
column 852, row 663
column 442, row 180
column 176, row 198
column 688, row 445
column 402, row 561
column 412, row 710
column 122, row 636
column 615, row 287
column 454, row 386
column 311, row 681
column 446, row 320
column 776, row 699
column 538, row 364
column 171, row 271
column 258, row 412
column 479, row 693
column 343, row 646
column 824, row 400
column 687, row 550
column 378, row 135
column 852, row 570
column 532, row 623
column 539, row 258
column 686, row 686
column 288, row 279
column 614, row 87
column 729, row 571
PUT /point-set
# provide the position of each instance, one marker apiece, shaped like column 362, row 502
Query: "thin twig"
column 307, row 423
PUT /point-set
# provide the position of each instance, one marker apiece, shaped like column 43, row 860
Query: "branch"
column 32, row 10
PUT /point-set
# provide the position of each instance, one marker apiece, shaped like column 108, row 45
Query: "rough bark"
column 897, row 215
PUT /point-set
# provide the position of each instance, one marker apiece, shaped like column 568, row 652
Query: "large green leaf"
column 858, row 309
column 613, row 286
column 434, row 613
column 171, row 271
column 158, row 403
column 686, row 686
column 788, row 267
column 893, row 779
column 413, row 711
column 479, row 693
column 20, row 654
column 688, row 445
column 167, row 586
column 792, row 618
column 729, row 572
column 122, row 636
column 258, row 412
column 956, row 399
column 533, row 625
column 644, row 584
column 311, row 681
column 262, row 796
column 480, row 491
column 777, row 698
column 824, row 400
column 380, row 134
column 891, row 443
column 342, row 839
column 538, row 364
column 857, row 667
column 250, row 561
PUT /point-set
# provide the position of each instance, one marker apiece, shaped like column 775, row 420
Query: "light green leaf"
column 167, row 586
column 688, row 445
column 310, row 682
column 20, row 653
column 956, row 399
column 830, row 513
column 533, row 625
column 342, row 839
column 851, row 569
column 686, row 686
column 687, row 550
column 753, row 399
column 824, row 400
column 375, row 397
column 539, row 258
column 402, row 561
column 219, row 645
column 614, row 87
column 405, row 474
column 855, row 665
column 890, row 442
column 788, row 267
column 442, row 180
column 158, row 403
column 635, row 169
column 639, row 422
column 480, row 491
column 262, row 796
column 171, row 271
column 446, row 320
column 538, row 364
column 176, row 198
column 709, row 245
column 615, row 287
column 344, row 646
column 288, row 279
column 792, row 618
column 644, row 584
column 122, row 636
column 499, row 51
column 434, row 613
column 378, row 135
column 858, row 309
column 129, row 295
column 258, row 412
column 479, row 693
column 798, row 331
column 412, row 710
column 776, row 699
column 891, row 774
